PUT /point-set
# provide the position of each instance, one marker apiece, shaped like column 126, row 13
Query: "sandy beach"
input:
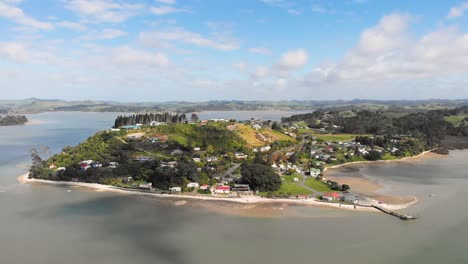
column 250, row 200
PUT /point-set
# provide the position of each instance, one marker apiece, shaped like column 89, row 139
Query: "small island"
column 176, row 155
column 13, row 120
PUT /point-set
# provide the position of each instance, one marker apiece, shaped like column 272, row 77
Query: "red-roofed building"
column 223, row 189
column 330, row 196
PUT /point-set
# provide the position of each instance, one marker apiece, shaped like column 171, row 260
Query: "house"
column 193, row 185
column 145, row 185
column 241, row 188
column 296, row 179
column 331, row 196
column 262, row 149
column 96, row 165
column 61, row 169
column 84, row 166
column 177, row 152
column 314, row 172
column 240, row 155
column 302, row 196
column 205, row 187
column 170, row 164
column 113, row 164
column 130, row 127
column 143, row 159
column 155, row 123
column 114, row 129
column 211, row 159
column 127, row 180
column 87, row 162
column 196, row 160
column 196, row 149
column 223, row 190
column 256, row 126
column 175, row 189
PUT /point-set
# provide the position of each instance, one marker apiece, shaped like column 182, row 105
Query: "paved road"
column 232, row 169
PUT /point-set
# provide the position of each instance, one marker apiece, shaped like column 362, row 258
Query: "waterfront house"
column 193, row 185
column 205, row 187
column 241, row 188
column 314, row 172
column 127, row 180
column 223, row 190
column 175, row 189
column 145, row 185
column 331, row 196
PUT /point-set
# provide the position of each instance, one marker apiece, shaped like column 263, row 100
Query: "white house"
column 296, row 179
column 211, row 159
column 196, row 149
column 175, row 189
column 314, row 172
column 155, row 123
column 193, row 185
column 145, row 185
column 240, row 155
column 196, row 159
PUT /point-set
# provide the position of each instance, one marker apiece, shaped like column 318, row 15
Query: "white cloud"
column 188, row 37
column 457, row 11
column 16, row 14
column 386, row 52
column 260, row 50
column 72, row 25
column 316, row 8
column 127, row 56
column 14, row 51
column 109, row 33
column 260, row 72
column 167, row 2
column 103, row 10
column 165, row 10
column 241, row 66
column 292, row 60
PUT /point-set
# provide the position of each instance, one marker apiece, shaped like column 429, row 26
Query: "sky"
column 197, row 50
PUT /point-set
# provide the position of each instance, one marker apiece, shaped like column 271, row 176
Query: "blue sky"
column 195, row 50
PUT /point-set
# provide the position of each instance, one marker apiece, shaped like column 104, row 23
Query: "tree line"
column 11, row 120
column 147, row 118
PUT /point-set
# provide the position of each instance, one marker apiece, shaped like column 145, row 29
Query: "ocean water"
column 47, row 224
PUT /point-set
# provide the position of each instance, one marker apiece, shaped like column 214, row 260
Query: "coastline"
column 422, row 154
column 254, row 200
column 23, row 179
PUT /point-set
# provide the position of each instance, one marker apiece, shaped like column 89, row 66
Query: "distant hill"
column 35, row 105
column 10, row 120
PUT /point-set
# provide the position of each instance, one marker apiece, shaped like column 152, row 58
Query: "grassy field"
column 456, row 120
column 290, row 178
column 250, row 135
column 292, row 189
column 317, row 185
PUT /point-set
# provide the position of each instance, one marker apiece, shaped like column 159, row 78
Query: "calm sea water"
column 46, row 224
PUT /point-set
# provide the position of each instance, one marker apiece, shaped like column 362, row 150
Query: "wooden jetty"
column 401, row 216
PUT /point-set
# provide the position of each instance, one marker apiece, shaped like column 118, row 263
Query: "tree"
column 345, row 187
column 194, row 117
column 260, row 177
column 276, row 126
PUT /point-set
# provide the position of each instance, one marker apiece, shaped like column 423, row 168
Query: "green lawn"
column 290, row 178
column 292, row 189
column 317, row 185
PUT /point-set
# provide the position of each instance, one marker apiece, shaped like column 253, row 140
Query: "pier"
column 401, row 216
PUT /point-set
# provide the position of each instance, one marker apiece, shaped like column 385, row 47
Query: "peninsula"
column 250, row 161
column 13, row 120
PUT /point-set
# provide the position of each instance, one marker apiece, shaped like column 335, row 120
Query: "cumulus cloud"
column 14, row 51
column 188, row 37
column 127, row 56
column 458, row 11
column 110, row 33
column 103, row 10
column 165, row 10
column 293, row 60
column 9, row 11
column 386, row 52
column 72, row 25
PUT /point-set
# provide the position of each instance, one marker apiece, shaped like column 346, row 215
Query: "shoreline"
column 253, row 200
column 23, row 179
column 422, row 154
